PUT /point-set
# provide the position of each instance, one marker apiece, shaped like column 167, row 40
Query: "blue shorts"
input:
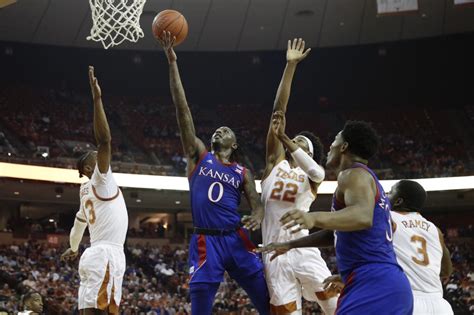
column 210, row 256
column 376, row 289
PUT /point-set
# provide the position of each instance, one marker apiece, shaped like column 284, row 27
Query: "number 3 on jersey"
column 284, row 192
column 220, row 187
column 420, row 250
column 90, row 206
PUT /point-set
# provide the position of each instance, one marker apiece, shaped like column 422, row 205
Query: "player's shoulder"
column 354, row 175
column 283, row 165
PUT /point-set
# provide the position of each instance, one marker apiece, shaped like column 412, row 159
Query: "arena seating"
column 156, row 279
column 416, row 142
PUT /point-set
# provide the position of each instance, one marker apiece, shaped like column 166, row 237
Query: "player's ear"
column 344, row 146
column 398, row 202
column 235, row 146
column 88, row 169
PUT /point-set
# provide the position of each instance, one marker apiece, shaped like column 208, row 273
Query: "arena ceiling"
column 241, row 25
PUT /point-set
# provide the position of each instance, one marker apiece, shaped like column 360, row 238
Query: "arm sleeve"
column 77, row 231
column 314, row 170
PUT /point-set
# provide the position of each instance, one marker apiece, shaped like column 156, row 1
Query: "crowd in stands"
column 155, row 281
column 415, row 142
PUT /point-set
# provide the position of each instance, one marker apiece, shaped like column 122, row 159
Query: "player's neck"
column 292, row 162
column 223, row 155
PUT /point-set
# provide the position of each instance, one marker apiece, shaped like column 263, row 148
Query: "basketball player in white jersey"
column 103, row 211
column 290, row 181
column 420, row 249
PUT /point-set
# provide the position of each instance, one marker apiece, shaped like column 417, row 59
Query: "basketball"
column 173, row 22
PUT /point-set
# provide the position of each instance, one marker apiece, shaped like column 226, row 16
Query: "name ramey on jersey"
column 419, row 252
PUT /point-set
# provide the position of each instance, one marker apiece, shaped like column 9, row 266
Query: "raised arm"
column 252, row 221
column 446, row 264
column 101, row 126
column 295, row 53
column 192, row 146
column 358, row 190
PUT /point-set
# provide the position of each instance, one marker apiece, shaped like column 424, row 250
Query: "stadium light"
column 62, row 175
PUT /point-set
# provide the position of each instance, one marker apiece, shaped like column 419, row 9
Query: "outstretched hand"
column 252, row 222
column 296, row 218
column 94, row 83
column 296, row 52
column 69, row 255
column 167, row 41
column 333, row 285
column 278, row 248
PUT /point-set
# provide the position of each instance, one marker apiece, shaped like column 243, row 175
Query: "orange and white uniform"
column 102, row 266
column 301, row 271
column 419, row 252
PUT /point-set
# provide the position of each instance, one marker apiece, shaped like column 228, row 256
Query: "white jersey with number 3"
column 418, row 248
column 104, row 209
column 283, row 190
column 103, row 264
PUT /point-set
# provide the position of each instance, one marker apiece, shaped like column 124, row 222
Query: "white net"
column 114, row 21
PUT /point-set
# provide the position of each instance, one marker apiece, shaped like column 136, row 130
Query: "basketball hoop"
column 114, row 21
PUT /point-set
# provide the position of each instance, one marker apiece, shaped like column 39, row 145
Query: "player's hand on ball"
column 296, row 220
column 333, row 285
column 167, row 41
column 278, row 124
column 252, row 222
column 296, row 52
column 69, row 255
column 278, row 248
column 95, row 88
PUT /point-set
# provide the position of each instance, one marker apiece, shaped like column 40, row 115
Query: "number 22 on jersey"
column 284, row 192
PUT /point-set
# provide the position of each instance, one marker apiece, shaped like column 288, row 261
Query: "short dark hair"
column 80, row 162
column 362, row 138
column 318, row 147
column 413, row 194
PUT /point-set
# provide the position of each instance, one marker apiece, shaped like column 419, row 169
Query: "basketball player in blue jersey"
column 216, row 182
column 360, row 219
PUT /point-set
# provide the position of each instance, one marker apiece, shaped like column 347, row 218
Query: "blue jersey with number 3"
column 215, row 190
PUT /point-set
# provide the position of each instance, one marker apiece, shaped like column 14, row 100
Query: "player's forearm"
column 101, row 126
column 183, row 113
column 287, row 143
column 446, row 264
column 351, row 218
column 76, row 234
column 284, row 89
column 324, row 238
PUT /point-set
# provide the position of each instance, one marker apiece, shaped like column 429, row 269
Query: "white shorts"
column 101, row 270
column 430, row 304
column 298, row 273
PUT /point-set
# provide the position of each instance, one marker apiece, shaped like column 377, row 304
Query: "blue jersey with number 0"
column 215, row 190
